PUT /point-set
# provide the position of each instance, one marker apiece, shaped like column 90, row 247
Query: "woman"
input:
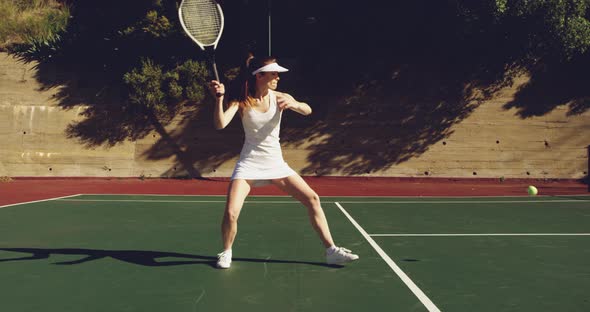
column 261, row 161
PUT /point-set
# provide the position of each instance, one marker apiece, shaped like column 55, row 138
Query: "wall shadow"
column 103, row 41
column 555, row 84
column 390, row 85
column 388, row 120
column 383, row 89
column 195, row 143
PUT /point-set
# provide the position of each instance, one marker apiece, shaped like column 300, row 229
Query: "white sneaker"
column 224, row 259
column 340, row 255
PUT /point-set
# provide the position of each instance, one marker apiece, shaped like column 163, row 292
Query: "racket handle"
column 216, row 77
column 215, row 71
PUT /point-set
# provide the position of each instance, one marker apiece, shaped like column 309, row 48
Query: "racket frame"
column 209, row 49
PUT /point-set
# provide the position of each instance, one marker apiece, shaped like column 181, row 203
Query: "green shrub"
column 164, row 92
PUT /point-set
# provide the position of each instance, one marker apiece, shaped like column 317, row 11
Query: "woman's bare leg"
column 297, row 187
column 236, row 194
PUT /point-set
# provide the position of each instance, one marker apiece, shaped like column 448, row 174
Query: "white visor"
column 272, row 67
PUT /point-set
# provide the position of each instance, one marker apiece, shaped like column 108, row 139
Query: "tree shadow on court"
column 139, row 257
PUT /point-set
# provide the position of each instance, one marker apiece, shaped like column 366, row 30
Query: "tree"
column 542, row 28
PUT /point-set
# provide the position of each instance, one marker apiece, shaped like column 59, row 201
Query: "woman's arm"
column 222, row 117
column 286, row 101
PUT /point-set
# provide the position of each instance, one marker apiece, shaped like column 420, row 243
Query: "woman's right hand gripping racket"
column 202, row 20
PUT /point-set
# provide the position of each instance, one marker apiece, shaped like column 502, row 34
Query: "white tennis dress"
column 261, row 158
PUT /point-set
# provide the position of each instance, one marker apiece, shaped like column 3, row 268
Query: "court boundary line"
column 475, row 234
column 430, row 306
column 470, row 201
column 39, row 201
column 349, row 196
column 345, row 202
column 175, row 201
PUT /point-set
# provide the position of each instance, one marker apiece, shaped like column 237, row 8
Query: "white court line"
column 344, row 196
column 469, row 201
column 346, row 202
column 477, row 234
column 174, row 201
column 161, row 195
column 142, row 201
column 417, row 292
column 39, row 201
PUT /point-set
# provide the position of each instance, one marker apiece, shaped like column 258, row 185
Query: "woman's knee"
column 231, row 216
column 237, row 193
column 312, row 200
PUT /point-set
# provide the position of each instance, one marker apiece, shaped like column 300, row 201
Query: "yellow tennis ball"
column 532, row 190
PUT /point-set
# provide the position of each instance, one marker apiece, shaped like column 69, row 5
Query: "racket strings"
column 202, row 20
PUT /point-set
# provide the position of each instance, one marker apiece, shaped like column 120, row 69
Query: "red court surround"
column 30, row 189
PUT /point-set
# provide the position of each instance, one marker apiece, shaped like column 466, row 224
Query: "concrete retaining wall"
column 491, row 142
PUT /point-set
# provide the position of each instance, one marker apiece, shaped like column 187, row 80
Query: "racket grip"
column 215, row 71
column 216, row 74
column 216, row 77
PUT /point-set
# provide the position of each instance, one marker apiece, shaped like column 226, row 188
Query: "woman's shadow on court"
column 139, row 257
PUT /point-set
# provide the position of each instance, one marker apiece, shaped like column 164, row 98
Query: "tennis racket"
column 202, row 20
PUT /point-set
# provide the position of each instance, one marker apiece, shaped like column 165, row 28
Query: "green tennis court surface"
column 157, row 253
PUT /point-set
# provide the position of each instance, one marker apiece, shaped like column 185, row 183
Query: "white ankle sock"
column 331, row 249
